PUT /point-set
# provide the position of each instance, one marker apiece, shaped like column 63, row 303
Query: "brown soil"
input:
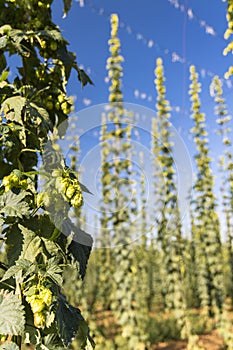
column 211, row 341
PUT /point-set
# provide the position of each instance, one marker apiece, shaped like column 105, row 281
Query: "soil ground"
column 211, row 341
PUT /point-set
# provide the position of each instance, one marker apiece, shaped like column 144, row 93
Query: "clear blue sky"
column 181, row 32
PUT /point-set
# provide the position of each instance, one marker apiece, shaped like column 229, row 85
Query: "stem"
column 29, row 150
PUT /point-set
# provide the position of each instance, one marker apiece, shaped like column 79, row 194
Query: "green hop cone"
column 10, row 181
column 36, row 302
column 6, row 183
column 46, row 296
column 70, row 191
column 62, row 184
column 3, row 337
column 77, row 200
column 39, row 319
column 68, row 186
column 23, row 184
column 14, row 180
column 39, row 199
column 43, row 198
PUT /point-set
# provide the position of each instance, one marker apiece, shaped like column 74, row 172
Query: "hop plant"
column 43, row 198
column 39, row 319
column 40, row 301
column 14, row 180
column 68, row 186
column 62, row 191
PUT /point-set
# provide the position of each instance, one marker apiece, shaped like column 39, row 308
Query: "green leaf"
column 50, row 248
column 67, row 6
column 68, row 59
column 16, row 37
column 53, row 271
column 12, row 108
column 83, row 335
column 51, row 34
column 9, row 346
column 14, row 204
column 52, row 341
column 81, row 254
column 21, row 265
column 3, row 41
column 84, row 78
column 80, row 247
column 12, row 319
column 13, row 270
column 69, row 320
column 4, row 75
column 41, row 117
column 31, row 333
column 1, row 224
column 14, row 243
column 84, row 188
column 38, row 223
column 2, row 62
column 31, row 244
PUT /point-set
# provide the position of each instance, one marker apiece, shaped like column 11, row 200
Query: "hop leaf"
column 12, row 319
column 9, row 346
column 84, row 78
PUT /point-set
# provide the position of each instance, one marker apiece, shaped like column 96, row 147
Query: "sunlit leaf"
column 31, row 244
column 51, row 34
column 12, row 108
column 9, row 346
column 54, row 271
column 11, row 272
column 43, row 121
column 14, row 204
column 21, row 265
column 12, row 319
column 3, row 41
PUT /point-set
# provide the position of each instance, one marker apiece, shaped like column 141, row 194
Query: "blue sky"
column 181, row 32
column 149, row 29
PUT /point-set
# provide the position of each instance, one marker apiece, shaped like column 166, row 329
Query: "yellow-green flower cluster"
column 216, row 91
column 40, row 301
column 199, row 131
column 162, row 104
column 227, row 34
column 68, row 186
column 229, row 17
column 114, row 63
column 229, row 72
column 195, row 89
column 14, row 180
column 63, row 190
column 114, row 24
